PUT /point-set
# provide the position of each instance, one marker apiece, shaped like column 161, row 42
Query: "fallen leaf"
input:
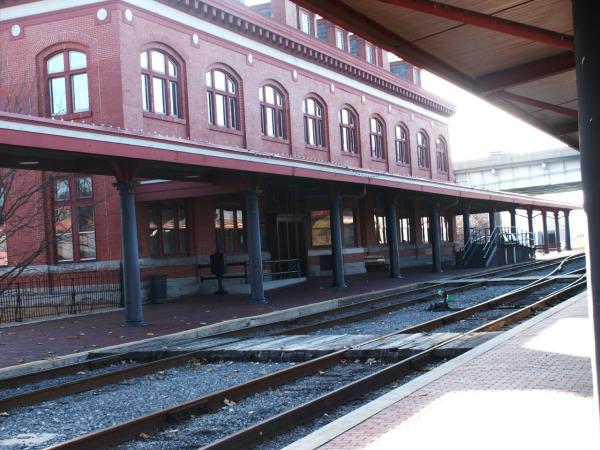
column 229, row 402
column 144, row 436
column 149, row 334
column 4, row 414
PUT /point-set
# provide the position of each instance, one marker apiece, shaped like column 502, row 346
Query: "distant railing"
column 34, row 296
column 280, row 269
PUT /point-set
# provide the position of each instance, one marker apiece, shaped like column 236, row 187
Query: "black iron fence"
column 35, row 296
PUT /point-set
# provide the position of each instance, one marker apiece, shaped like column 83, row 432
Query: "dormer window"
column 305, row 21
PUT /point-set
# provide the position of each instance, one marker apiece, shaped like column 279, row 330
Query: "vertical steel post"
column 530, row 225
column 467, row 223
column 492, row 219
column 132, row 286
column 257, row 291
column 337, row 256
column 436, row 245
column 392, row 237
column 513, row 220
column 587, row 57
column 545, row 231
column 556, row 231
column 567, row 231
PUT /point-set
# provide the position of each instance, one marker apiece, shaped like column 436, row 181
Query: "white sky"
column 479, row 128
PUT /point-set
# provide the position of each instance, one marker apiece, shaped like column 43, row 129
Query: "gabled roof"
column 517, row 55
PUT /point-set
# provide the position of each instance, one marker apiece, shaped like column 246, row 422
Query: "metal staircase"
column 498, row 246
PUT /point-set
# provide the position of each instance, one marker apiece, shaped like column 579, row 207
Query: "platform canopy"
column 518, row 55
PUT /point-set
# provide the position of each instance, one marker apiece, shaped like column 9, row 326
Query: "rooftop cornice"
column 245, row 21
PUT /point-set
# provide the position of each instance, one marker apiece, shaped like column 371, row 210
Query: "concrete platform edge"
column 332, row 430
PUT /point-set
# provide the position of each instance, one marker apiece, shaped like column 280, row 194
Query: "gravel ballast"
column 231, row 418
column 413, row 315
column 71, row 416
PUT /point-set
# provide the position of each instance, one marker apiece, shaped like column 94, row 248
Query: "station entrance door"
column 290, row 245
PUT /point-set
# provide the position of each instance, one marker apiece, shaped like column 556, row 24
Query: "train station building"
column 163, row 132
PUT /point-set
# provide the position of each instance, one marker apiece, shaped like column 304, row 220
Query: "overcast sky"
column 479, row 128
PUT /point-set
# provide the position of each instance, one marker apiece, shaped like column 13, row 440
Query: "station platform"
column 49, row 339
column 528, row 388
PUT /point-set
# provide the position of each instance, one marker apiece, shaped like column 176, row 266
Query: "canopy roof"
column 516, row 54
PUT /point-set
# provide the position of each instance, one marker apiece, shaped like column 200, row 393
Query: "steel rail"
column 93, row 382
column 395, row 307
column 96, row 381
column 70, row 369
column 286, row 420
column 94, row 363
column 144, row 424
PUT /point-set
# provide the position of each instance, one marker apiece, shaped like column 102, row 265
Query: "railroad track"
column 138, row 369
column 134, row 369
column 250, row 436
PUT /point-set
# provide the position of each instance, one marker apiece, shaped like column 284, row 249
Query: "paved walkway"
column 530, row 388
column 52, row 338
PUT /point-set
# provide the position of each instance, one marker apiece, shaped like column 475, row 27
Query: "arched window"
column 314, row 129
column 222, row 93
column 442, row 155
column 68, row 83
column 423, row 150
column 401, row 144
column 376, row 137
column 272, row 112
column 348, row 131
column 160, row 83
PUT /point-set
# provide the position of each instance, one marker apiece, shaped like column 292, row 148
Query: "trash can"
column 158, row 288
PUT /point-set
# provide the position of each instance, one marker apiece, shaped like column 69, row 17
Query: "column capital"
column 126, row 187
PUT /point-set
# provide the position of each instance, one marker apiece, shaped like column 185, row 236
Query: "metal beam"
column 487, row 21
column 356, row 22
column 525, row 73
column 537, row 103
column 565, row 128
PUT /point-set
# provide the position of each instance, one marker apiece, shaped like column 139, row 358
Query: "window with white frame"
column 160, row 83
column 222, row 98
column 272, row 112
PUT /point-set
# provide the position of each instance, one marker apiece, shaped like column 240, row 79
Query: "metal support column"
column 513, row 220
column 530, row 226
column 436, row 238
column 132, row 286
column 392, row 237
column 567, row 231
column 492, row 219
column 257, row 290
column 556, row 231
column 337, row 256
column 545, row 231
column 587, row 57
column 467, row 223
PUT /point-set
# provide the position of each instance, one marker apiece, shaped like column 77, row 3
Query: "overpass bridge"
column 536, row 173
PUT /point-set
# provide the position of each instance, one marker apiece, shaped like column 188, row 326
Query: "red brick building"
column 199, row 102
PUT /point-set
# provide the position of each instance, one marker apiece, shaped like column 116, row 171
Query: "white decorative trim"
column 16, row 30
column 102, row 14
column 47, row 6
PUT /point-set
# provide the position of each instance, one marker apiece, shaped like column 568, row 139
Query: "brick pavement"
column 52, row 338
column 533, row 391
